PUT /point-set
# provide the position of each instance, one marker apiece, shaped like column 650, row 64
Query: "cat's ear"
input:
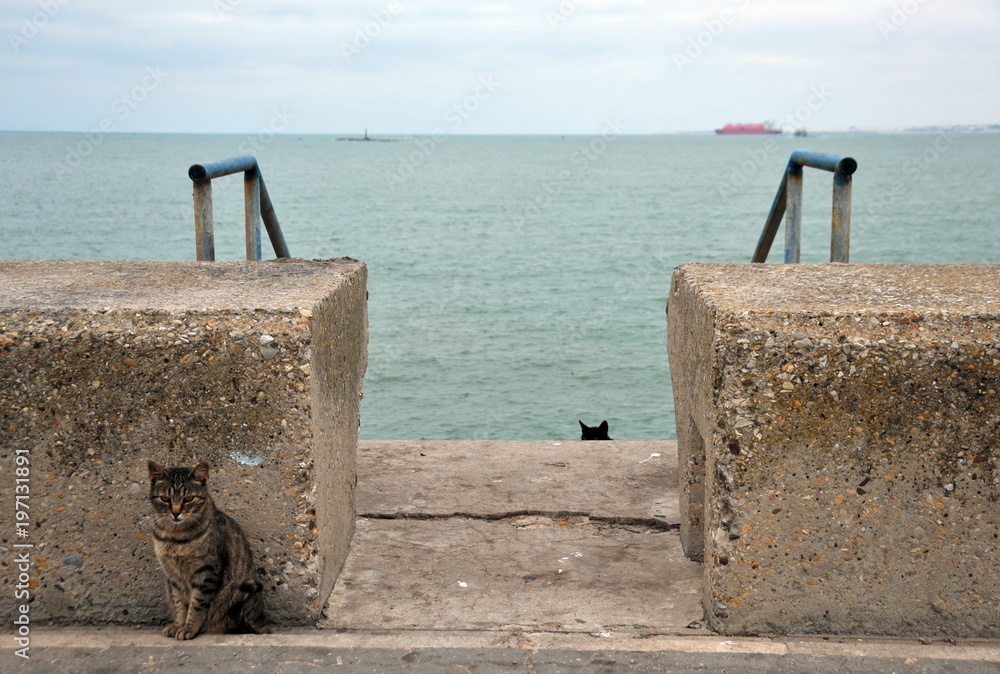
column 603, row 427
column 583, row 426
column 200, row 472
column 156, row 471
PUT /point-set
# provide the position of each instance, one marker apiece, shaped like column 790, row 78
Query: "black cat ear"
column 200, row 472
column 604, row 426
column 582, row 425
column 156, row 471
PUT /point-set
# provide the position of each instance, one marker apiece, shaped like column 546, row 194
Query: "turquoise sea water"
column 517, row 284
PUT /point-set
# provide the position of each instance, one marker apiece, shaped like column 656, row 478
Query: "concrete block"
column 254, row 367
column 839, row 429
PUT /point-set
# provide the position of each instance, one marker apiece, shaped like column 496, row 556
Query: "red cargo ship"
column 746, row 128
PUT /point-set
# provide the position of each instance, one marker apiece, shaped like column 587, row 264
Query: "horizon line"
column 980, row 127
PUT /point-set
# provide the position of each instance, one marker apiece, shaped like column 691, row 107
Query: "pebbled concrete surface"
column 254, row 367
column 840, row 426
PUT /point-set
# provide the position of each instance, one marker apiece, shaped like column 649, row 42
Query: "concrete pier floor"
column 505, row 556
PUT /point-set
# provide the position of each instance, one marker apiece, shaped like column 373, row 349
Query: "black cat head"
column 594, row 432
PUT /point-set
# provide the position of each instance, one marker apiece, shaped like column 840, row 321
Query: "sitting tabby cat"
column 594, row 432
column 212, row 586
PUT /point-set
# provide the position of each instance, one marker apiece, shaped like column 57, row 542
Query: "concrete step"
column 500, row 556
column 606, row 480
column 517, row 536
column 72, row 650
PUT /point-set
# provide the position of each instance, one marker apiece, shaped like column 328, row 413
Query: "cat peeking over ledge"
column 594, row 432
column 212, row 586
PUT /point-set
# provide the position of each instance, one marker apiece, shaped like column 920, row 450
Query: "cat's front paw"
column 171, row 630
column 184, row 633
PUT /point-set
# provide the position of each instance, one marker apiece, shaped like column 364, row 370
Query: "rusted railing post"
column 251, row 208
column 257, row 207
column 840, row 232
column 204, row 222
column 793, row 214
column 788, row 200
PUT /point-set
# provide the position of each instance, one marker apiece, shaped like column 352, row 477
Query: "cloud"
column 564, row 65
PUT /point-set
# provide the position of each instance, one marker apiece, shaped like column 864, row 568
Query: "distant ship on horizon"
column 733, row 129
column 369, row 139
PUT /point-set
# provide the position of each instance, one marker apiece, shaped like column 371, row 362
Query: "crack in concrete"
column 651, row 522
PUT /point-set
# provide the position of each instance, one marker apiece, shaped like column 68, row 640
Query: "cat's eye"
column 165, row 499
column 188, row 499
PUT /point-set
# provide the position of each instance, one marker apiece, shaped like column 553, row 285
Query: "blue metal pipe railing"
column 257, row 207
column 788, row 200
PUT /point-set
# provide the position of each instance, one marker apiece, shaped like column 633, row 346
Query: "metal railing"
column 789, row 199
column 257, row 207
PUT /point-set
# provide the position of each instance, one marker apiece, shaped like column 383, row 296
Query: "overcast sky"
column 456, row 66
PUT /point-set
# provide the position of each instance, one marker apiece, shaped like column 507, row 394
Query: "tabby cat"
column 212, row 586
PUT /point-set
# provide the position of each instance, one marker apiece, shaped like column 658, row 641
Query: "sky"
column 501, row 67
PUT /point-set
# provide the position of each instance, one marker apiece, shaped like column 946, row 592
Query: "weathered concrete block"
column 839, row 427
column 255, row 367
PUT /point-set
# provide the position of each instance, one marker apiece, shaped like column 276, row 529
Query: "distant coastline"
column 397, row 137
column 943, row 128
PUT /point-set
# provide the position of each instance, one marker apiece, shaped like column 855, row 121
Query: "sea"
column 517, row 284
